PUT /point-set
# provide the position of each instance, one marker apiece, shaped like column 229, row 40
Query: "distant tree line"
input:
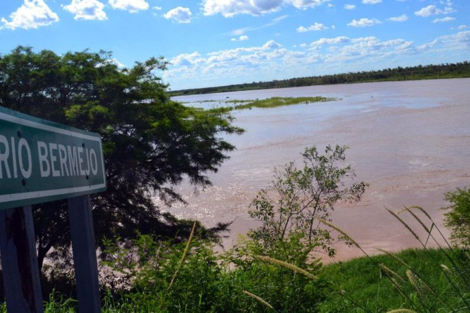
column 448, row 70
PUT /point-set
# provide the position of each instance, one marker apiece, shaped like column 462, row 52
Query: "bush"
column 299, row 197
column 205, row 281
column 458, row 216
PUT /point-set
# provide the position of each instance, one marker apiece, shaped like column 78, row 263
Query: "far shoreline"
column 444, row 71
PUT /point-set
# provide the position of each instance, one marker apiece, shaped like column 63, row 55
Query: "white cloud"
column 444, row 19
column 314, row 27
column 371, row 1
column 433, row 10
column 400, row 18
column 133, row 6
column 459, row 41
column 305, row 4
column 330, row 41
column 271, row 45
column 250, row 63
column 324, row 56
column 349, row 6
column 32, row 14
column 112, row 61
column 179, row 15
column 241, row 38
column 86, row 10
column 462, row 27
column 157, row 8
column 186, row 59
column 241, row 31
column 364, row 22
column 229, row 8
column 117, row 63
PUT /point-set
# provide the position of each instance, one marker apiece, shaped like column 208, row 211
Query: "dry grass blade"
column 422, row 210
column 185, row 253
column 414, row 281
column 446, row 269
column 418, row 283
column 395, row 257
column 287, row 265
column 404, row 224
column 391, row 272
column 340, row 231
column 259, row 299
column 416, row 218
column 401, row 311
column 398, row 288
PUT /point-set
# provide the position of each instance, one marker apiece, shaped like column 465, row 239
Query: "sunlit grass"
column 278, row 102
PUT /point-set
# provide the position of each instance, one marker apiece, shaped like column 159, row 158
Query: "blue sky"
column 219, row 42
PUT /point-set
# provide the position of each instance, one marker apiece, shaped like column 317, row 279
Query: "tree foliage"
column 457, row 217
column 290, row 209
column 150, row 143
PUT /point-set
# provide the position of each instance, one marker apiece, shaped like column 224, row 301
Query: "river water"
column 409, row 140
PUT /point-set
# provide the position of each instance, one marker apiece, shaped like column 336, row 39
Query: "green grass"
column 278, row 102
column 362, row 280
column 357, row 285
column 267, row 103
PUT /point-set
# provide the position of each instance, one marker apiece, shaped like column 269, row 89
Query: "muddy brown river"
column 409, row 140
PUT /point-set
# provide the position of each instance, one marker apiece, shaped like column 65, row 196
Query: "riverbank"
column 441, row 71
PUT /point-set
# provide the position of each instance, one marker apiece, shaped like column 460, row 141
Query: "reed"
column 342, row 232
column 185, row 253
column 287, row 265
column 259, row 299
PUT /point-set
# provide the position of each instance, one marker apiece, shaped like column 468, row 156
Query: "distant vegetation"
column 449, row 70
column 277, row 102
column 266, row 103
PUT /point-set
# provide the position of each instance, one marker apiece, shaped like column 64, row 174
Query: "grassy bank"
column 364, row 280
column 358, row 285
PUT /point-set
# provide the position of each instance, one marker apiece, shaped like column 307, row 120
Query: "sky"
column 222, row 42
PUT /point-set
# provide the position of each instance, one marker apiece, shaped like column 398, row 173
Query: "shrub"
column 458, row 216
column 299, row 197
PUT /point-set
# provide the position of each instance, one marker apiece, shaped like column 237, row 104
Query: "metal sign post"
column 42, row 161
column 19, row 261
column 84, row 254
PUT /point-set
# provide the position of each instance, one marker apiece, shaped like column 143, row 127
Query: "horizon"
column 212, row 43
column 341, row 73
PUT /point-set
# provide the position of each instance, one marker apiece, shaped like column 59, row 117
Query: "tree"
column 150, row 143
column 458, row 216
column 297, row 198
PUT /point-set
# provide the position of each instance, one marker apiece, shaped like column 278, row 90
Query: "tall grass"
column 190, row 277
column 431, row 280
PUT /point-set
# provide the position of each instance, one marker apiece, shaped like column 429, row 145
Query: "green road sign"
column 43, row 161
